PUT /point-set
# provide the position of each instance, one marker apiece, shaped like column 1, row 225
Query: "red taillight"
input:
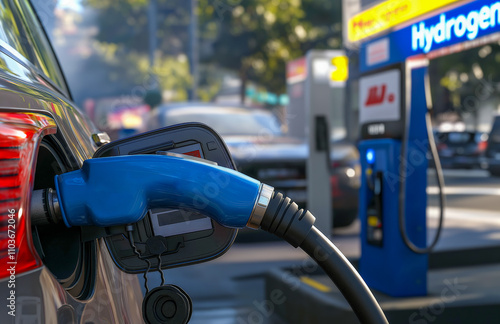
column 20, row 134
column 334, row 182
column 482, row 146
column 442, row 146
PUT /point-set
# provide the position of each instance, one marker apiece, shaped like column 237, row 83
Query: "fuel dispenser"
column 315, row 114
column 396, row 135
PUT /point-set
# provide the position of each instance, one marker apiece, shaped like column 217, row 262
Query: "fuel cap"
column 167, row 304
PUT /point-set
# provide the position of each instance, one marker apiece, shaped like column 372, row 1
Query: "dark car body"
column 48, row 274
column 261, row 150
column 461, row 149
column 492, row 153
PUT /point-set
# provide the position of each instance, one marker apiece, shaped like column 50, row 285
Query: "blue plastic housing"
column 119, row 190
column 393, row 268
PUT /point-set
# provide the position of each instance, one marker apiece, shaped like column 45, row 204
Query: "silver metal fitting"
column 260, row 206
column 54, row 206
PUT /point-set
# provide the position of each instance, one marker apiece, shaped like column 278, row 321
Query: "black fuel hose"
column 345, row 277
column 284, row 219
column 439, row 177
column 402, row 193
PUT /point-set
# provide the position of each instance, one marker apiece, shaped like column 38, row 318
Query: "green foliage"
column 252, row 37
column 153, row 98
column 122, row 43
column 464, row 78
column 258, row 37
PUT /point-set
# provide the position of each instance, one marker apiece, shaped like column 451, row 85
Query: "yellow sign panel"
column 389, row 14
column 340, row 72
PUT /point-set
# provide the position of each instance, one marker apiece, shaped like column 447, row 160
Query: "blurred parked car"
column 261, row 150
column 461, row 150
column 48, row 274
column 492, row 154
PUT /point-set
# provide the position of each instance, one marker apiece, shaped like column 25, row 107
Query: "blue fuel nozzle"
column 119, row 190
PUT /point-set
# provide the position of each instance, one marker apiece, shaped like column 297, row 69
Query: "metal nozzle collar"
column 260, row 207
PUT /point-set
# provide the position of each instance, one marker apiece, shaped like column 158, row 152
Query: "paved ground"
column 231, row 289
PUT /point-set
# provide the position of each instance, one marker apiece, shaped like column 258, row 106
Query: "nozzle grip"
column 119, row 190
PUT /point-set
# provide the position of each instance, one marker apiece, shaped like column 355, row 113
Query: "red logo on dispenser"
column 377, row 96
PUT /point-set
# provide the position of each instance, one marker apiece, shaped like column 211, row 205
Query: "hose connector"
column 45, row 208
column 285, row 219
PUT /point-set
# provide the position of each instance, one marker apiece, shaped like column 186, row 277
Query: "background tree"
column 253, row 38
column 121, row 44
column 257, row 37
column 464, row 82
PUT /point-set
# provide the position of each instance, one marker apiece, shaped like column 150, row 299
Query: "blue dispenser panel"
column 386, row 263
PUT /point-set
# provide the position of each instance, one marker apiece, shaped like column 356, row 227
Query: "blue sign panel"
column 466, row 23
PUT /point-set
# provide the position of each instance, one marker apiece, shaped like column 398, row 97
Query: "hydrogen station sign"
column 455, row 28
column 466, row 25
